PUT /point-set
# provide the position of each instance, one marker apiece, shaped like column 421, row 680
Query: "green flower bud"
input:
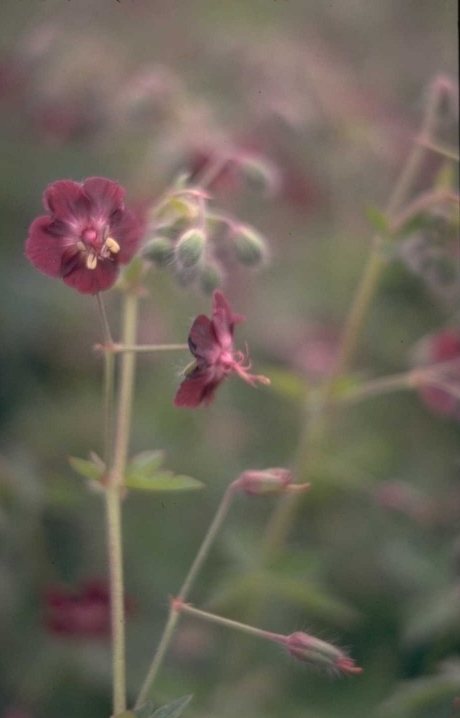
column 210, row 278
column 160, row 250
column 260, row 174
column 189, row 248
column 249, row 245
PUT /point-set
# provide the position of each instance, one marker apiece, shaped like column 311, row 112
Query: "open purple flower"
column 211, row 343
column 87, row 235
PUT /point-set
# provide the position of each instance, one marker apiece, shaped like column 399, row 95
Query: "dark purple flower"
column 211, row 343
column 88, row 234
column 81, row 613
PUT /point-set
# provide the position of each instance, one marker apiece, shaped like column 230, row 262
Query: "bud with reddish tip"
column 263, row 483
column 319, row 654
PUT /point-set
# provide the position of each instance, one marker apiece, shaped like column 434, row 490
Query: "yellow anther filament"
column 91, row 261
column 81, row 247
column 112, row 245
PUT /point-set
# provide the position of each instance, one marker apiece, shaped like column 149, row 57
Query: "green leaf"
column 174, row 709
column 286, row 383
column 144, row 473
column 145, row 711
column 92, row 469
column 147, row 462
column 378, row 221
column 164, row 482
column 127, row 714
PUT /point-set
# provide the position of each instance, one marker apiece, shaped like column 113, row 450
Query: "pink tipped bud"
column 319, row 654
column 263, row 483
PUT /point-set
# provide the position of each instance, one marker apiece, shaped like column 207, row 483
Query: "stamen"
column 81, row 246
column 91, row 261
column 112, row 245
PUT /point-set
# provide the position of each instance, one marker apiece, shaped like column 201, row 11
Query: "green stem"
column 440, row 149
column 140, row 348
column 113, row 505
column 278, row 528
column 109, row 376
column 229, row 623
column 184, row 592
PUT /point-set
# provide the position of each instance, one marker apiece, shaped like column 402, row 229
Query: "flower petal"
column 198, row 387
column 44, row 249
column 202, row 339
column 66, row 201
column 224, row 320
column 126, row 229
column 104, row 195
column 92, row 281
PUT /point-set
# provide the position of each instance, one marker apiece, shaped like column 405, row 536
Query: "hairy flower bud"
column 319, row 654
column 260, row 174
column 250, row 246
column 264, row 483
column 190, row 246
column 210, row 278
column 160, row 250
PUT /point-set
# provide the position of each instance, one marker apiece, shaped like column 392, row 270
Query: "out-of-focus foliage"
column 317, row 105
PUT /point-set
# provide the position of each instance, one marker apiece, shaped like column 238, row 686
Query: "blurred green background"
column 332, row 95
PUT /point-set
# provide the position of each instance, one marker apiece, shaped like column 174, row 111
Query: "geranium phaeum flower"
column 84, row 613
column 88, row 233
column 211, row 343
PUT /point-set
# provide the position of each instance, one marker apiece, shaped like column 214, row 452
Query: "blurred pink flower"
column 87, row 236
column 317, row 354
column 211, row 343
column 443, row 346
column 80, row 613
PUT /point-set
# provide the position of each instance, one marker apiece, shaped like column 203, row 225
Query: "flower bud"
column 260, row 174
column 189, row 248
column 160, row 250
column 264, row 483
column 319, row 654
column 249, row 246
column 210, row 278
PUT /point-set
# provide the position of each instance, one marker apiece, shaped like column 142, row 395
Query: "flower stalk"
column 279, row 527
column 184, row 592
column 113, row 494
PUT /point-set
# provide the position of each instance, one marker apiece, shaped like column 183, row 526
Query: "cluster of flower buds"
column 267, row 482
column 197, row 244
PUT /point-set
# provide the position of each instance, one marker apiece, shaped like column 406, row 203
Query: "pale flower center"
column 95, row 250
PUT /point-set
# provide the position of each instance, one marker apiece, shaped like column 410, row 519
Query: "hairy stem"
column 113, row 504
column 141, row 348
column 279, row 527
column 227, row 622
column 187, row 585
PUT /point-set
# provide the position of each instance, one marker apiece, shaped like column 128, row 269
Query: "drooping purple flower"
column 86, row 236
column 211, row 343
